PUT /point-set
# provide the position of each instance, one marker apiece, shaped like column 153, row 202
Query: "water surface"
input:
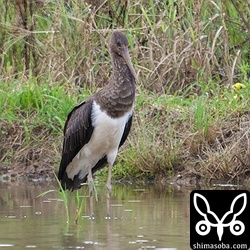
column 142, row 217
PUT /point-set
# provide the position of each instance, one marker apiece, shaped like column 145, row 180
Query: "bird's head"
column 118, row 45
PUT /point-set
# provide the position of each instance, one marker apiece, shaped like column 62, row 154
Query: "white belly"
column 105, row 140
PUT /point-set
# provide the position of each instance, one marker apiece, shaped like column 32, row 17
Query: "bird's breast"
column 108, row 131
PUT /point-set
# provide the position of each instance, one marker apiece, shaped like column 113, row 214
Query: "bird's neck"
column 118, row 96
column 121, row 73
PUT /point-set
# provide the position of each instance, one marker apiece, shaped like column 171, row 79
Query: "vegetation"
column 61, row 194
column 192, row 112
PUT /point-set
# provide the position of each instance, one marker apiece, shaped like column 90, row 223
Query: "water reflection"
column 141, row 218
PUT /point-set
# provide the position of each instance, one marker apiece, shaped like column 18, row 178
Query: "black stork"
column 98, row 126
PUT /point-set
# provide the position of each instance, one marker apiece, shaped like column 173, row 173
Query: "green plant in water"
column 63, row 195
column 79, row 206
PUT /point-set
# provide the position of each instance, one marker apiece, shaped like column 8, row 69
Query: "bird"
column 97, row 127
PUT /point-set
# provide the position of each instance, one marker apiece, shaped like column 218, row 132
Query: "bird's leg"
column 108, row 187
column 90, row 182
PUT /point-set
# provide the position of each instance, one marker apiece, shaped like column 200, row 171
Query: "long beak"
column 126, row 57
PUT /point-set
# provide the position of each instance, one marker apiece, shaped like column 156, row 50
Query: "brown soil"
column 22, row 158
column 224, row 154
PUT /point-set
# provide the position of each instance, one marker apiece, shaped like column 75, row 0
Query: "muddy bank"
column 222, row 156
column 22, row 158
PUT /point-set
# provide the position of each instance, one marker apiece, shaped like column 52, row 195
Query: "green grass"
column 49, row 104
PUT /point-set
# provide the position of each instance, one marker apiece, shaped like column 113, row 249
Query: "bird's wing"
column 126, row 130
column 77, row 132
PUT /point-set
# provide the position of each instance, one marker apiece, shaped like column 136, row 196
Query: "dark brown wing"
column 126, row 130
column 77, row 132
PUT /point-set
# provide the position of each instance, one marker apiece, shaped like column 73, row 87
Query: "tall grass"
column 172, row 43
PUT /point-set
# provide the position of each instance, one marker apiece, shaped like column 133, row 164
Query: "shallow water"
column 141, row 218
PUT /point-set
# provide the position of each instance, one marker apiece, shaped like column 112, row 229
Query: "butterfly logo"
column 203, row 227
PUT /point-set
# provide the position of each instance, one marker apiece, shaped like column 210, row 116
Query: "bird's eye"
column 118, row 43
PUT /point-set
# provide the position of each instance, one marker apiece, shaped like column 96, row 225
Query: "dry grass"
column 27, row 160
column 173, row 45
column 171, row 146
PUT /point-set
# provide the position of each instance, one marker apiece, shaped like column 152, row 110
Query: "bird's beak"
column 126, row 57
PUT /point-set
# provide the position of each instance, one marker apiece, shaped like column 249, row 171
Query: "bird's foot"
column 92, row 216
column 108, row 217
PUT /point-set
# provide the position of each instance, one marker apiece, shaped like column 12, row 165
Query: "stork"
column 97, row 127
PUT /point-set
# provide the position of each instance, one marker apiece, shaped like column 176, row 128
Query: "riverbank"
column 173, row 137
